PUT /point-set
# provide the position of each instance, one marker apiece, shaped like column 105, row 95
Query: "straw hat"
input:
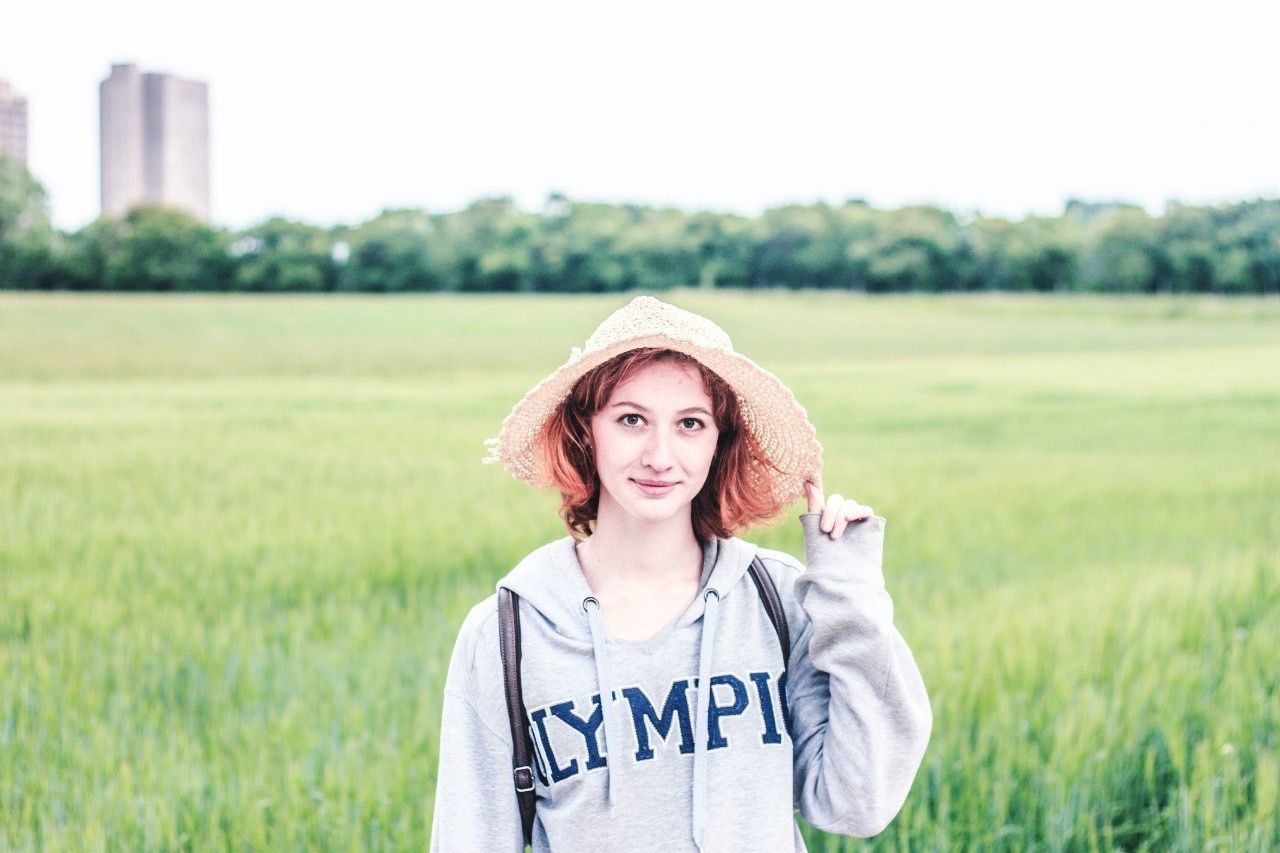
column 769, row 410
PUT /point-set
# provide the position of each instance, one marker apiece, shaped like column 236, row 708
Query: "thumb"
column 814, row 492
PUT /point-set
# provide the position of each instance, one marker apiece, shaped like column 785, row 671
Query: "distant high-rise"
column 155, row 141
column 13, row 123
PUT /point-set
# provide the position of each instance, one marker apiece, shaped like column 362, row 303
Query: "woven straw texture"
column 779, row 424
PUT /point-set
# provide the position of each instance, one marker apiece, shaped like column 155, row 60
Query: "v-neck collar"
column 578, row 580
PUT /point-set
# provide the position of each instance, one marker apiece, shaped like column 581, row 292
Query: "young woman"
column 662, row 713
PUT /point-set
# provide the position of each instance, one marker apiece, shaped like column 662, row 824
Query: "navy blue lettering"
column 558, row 774
column 715, row 712
column 675, row 707
column 766, row 708
column 588, row 728
column 782, row 701
column 539, row 762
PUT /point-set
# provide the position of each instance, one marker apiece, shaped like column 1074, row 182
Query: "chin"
column 649, row 509
column 656, row 512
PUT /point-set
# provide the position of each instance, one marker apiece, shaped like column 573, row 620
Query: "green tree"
column 915, row 248
column 157, row 249
column 801, row 246
column 578, row 248
column 1248, row 236
column 488, row 246
column 1121, row 253
column 284, row 256
column 1034, row 254
column 390, row 253
column 1188, row 235
column 26, row 236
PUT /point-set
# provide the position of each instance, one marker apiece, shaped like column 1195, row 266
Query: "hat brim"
column 770, row 411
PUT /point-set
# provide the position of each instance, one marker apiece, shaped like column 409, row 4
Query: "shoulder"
column 779, row 561
column 476, row 645
column 783, row 569
column 475, row 669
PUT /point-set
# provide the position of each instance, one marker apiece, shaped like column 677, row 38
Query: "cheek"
column 616, row 448
column 706, row 452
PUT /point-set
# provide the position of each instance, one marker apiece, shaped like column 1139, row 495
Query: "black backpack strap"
column 773, row 606
column 522, row 745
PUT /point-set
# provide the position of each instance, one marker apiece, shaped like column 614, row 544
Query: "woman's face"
column 656, row 428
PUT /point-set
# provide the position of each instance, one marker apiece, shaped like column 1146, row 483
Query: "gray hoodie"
column 706, row 742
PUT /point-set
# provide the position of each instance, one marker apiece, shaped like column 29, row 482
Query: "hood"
column 550, row 580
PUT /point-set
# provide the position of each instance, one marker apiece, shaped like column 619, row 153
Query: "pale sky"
column 330, row 111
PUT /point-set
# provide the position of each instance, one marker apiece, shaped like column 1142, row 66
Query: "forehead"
column 663, row 383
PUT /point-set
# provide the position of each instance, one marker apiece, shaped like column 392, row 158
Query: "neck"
column 636, row 551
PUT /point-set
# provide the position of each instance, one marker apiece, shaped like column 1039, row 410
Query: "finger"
column 851, row 512
column 858, row 512
column 834, row 501
column 814, row 492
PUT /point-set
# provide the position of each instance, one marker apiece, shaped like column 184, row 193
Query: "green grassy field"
column 238, row 535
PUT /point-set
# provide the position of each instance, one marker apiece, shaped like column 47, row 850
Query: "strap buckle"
column 524, row 778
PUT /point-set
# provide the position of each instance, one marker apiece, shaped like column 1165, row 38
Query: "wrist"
column 857, row 552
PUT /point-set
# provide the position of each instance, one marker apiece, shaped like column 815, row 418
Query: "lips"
column 652, row 490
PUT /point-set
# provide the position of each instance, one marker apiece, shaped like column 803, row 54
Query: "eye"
column 700, row 424
column 623, row 419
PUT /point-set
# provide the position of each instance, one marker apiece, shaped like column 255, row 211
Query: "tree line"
column 588, row 247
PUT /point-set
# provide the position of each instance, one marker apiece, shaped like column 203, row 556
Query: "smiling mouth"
column 652, row 484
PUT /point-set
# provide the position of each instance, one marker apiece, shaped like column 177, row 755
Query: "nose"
column 657, row 451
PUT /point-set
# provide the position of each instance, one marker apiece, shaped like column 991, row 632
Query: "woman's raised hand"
column 837, row 511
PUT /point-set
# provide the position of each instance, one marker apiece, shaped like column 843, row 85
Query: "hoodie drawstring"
column 611, row 738
column 702, row 716
column 702, row 712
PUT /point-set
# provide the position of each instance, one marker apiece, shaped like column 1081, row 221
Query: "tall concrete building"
column 155, row 141
column 13, row 123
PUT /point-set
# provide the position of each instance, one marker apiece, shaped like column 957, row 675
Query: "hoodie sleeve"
column 859, row 715
column 475, row 804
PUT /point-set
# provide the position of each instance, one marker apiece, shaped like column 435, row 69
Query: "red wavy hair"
column 737, row 493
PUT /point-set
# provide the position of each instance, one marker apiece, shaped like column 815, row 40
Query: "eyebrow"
column 689, row 411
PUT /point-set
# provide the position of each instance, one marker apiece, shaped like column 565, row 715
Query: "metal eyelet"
column 589, row 598
column 711, row 591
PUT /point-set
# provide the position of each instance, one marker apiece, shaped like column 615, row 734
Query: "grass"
column 238, row 535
